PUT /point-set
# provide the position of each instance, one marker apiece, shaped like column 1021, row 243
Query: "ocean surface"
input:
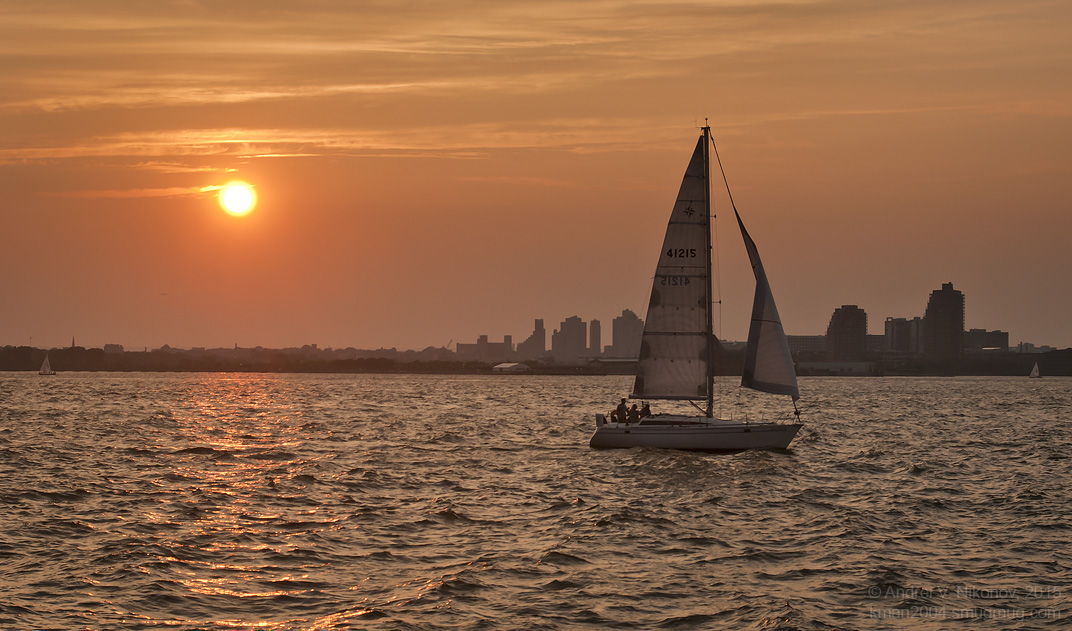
column 252, row 501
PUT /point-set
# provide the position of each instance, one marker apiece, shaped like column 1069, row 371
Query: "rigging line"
column 720, row 168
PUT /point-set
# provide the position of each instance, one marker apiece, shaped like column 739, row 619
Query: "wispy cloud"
column 184, row 90
column 263, row 80
column 460, row 141
column 173, row 191
column 74, row 57
column 176, row 167
column 492, row 61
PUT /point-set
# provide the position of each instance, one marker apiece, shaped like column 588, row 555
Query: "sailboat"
column 1035, row 372
column 677, row 350
column 46, row 368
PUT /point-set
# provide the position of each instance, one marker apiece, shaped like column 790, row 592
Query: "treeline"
column 78, row 359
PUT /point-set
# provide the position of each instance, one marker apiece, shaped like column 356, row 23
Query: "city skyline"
column 426, row 174
column 845, row 336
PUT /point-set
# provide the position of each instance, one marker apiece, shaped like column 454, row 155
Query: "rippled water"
column 424, row 502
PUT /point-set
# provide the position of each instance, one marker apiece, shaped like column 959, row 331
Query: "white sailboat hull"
column 692, row 433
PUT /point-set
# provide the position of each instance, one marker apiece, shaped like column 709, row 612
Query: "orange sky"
column 429, row 172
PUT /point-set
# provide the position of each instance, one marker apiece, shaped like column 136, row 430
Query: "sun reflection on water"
column 233, row 500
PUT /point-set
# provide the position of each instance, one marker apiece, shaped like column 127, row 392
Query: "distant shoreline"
column 78, row 359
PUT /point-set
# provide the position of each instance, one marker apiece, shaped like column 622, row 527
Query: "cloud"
column 457, row 141
column 176, row 167
column 174, row 191
column 255, row 79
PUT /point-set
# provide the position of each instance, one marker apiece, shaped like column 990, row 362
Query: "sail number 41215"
column 681, row 253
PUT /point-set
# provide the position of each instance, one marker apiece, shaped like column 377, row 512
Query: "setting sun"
column 237, row 198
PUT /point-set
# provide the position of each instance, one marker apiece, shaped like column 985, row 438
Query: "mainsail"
column 674, row 350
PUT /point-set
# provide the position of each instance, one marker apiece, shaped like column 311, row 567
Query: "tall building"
column 595, row 339
column 570, row 343
column 943, row 324
column 846, row 336
column 535, row 345
column 626, row 333
column 904, row 335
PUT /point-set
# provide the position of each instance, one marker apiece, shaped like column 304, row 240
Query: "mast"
column 707, row 236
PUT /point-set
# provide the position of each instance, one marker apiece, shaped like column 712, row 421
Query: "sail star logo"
column 689, row 212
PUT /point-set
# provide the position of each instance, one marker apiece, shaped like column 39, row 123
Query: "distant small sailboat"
column 1035, row 372
column 677, row 350
column 46, row 368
